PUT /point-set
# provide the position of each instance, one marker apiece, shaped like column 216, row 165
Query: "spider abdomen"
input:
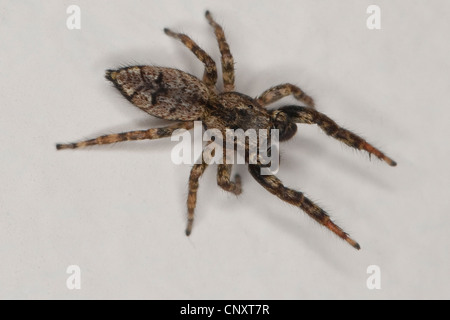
column 165, row 93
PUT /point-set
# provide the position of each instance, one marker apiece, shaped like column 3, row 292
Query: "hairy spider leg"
column 310, row 116
column 196, row 172
column 226, row 57
column 296, row 198
column 210, row 73
column 224, row 179
column 154, row 133
column 283, row 90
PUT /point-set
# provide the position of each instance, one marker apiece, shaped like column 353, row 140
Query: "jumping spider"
column 172, row 94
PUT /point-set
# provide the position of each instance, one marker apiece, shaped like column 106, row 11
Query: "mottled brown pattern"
column 176, row 95
column 149, row 134
column 162, row 92
column 310, row 116
column 224, row 179
column 296, row 198
column 196, row 172
column 283, row 90
column 226, row 57
column 210, row 74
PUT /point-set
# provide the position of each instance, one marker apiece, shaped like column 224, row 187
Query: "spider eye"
column 250, row 106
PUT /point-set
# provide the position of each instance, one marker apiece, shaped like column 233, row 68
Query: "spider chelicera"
column 172, row 94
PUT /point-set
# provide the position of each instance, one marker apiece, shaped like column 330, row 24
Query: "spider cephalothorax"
column 175, row 95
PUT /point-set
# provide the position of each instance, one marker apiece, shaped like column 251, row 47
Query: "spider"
column 172, row 94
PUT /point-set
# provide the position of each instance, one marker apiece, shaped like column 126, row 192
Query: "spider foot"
column 341, row 234
column 238, row 183
column 189, row 227
column 61, row 146
column 353, row 243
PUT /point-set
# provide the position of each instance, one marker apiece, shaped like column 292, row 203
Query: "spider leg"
column 224, row 179
column 226, row 57
column 283, row 90
column 296, row 198
column 196, row 172
column 154, row 133
column 210, row 74
column 331, row 128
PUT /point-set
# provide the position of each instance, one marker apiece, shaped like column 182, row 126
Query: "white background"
column 119, row 211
